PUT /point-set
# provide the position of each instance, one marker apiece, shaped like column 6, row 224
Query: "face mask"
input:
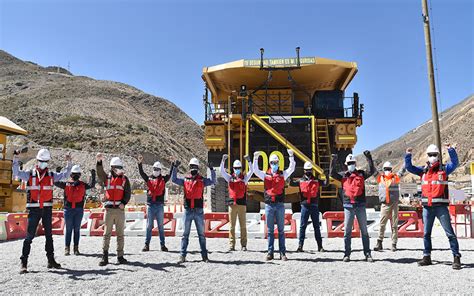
column 156, row 173
column 119, row 172
column 432, row 159
column 351, row 167
column 237, row 171
column 387, row 173
column 43, row 165
column 275, row 168
column 76, row 177
column 194, row 172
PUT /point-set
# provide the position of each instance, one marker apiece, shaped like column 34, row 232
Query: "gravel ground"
column 238, row 272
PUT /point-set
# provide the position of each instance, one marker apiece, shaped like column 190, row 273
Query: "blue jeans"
column 275, row 212
column 155, row 212
column 308, row 210
column 196, row 215
column 349, row 214
column 73, row 219
column 442, row 213
column 34, row 217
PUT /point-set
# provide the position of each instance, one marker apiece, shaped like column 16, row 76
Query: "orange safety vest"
column 309, row 189
column 40, row 189
column 353, row 186
column 388, row 182
column 75, row 194
column 434, row 186
column 237, row 187
column 114, row 189
column 156, row 187
column 193, row 188
column 274, row 185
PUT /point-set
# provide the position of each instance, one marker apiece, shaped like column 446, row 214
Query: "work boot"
column 181, row 259
column 121, row 260
column 346, row 259
column 146, row 248
column 205, row 259
column 23, row 268
column 394, row 247
column 53, row 264
column 321, row 249
column 231, row 249
column 105, row 259
column 76, row 251
column 67, row 251
column 244, row 248
column 269, row 257
column 457, row 262
column 425, row 261
column 369, row 258
column 283, row 257
column 164, row 248
column 378, row 247
column 300, row 249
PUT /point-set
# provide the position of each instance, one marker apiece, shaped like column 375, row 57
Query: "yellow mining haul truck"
column 11, row 199
column 270, row 105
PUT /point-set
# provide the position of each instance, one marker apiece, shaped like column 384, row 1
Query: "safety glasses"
column 351, row 163
column 432, row 154
column 274, row 162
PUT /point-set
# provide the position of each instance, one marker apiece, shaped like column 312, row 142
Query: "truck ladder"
column 324, row 155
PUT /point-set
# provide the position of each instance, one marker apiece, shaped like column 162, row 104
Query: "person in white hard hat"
column 435, row 198
column 117, row 195
column 237, row 199
column 193, row 185
column 310, row 188
column 156, row 184
column 389, row 196
column 274, row 196
column 354, row 201
column 74, row 199
column 39, row 201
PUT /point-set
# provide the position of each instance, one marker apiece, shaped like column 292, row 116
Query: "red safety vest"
column 353, row 186
column 75, row 194
column 274, row 184
column 237, row 187
column 434, row 184
column 114, row 189
column 309, row 188
column 193, row 188
column 156, row 187
column 40, row 189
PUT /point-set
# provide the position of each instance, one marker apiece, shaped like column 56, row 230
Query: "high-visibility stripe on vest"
column 156, row 187
column 114, row 189
column 193, row 188
column 75, row 194
column 434, row 186
column 237, row 187
column 309, row 189
column 274, row 185
column 40, row 189
column 388, row 188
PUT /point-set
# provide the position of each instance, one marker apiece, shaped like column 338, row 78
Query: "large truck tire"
column 253, row 206
column 219, row 192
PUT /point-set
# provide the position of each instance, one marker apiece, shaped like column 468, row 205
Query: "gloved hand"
column 93, row 172
column 140, row 158
column 256, row 154
column 409, row 150
column 99, row 157
column 367, row 154
column 291, row 152
column 68, row 157
column 210, row 166
column 225, row 157
column 176, row 163
column 334, row 157
column 247, row 158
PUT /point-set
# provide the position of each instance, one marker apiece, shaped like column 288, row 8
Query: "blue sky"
column 161, row 46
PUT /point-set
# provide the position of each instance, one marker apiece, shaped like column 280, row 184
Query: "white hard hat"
column 432, row 149
column 350, row 158
column 76, row 169
column 157, row 165
column 194, row 161
column 43, row 155
column 116, row 161
column 387, row 164
column 307, row 165
column 237, row 164
column 274, row 157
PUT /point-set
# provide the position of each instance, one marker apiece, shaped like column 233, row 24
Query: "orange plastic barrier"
column 288, row 221
column 58, row 223
column 462, row 211
column 97, row 224
column 212, row 230
column 16, row 226
column 409, row 224
column 335, row 224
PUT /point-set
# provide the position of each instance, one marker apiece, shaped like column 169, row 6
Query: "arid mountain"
column 84, row 116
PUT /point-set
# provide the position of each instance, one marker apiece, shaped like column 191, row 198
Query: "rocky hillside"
column 82, row 115
column 457, row 125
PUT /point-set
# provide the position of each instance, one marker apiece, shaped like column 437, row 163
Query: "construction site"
column 278, row 148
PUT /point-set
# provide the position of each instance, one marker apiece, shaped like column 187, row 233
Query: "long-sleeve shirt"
column 24, row 175
column 227, row 176
column 88, row 186
column 127, row 191
column 146, row 178
column 419, row 170
column 286, row 173
column 180, row 181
